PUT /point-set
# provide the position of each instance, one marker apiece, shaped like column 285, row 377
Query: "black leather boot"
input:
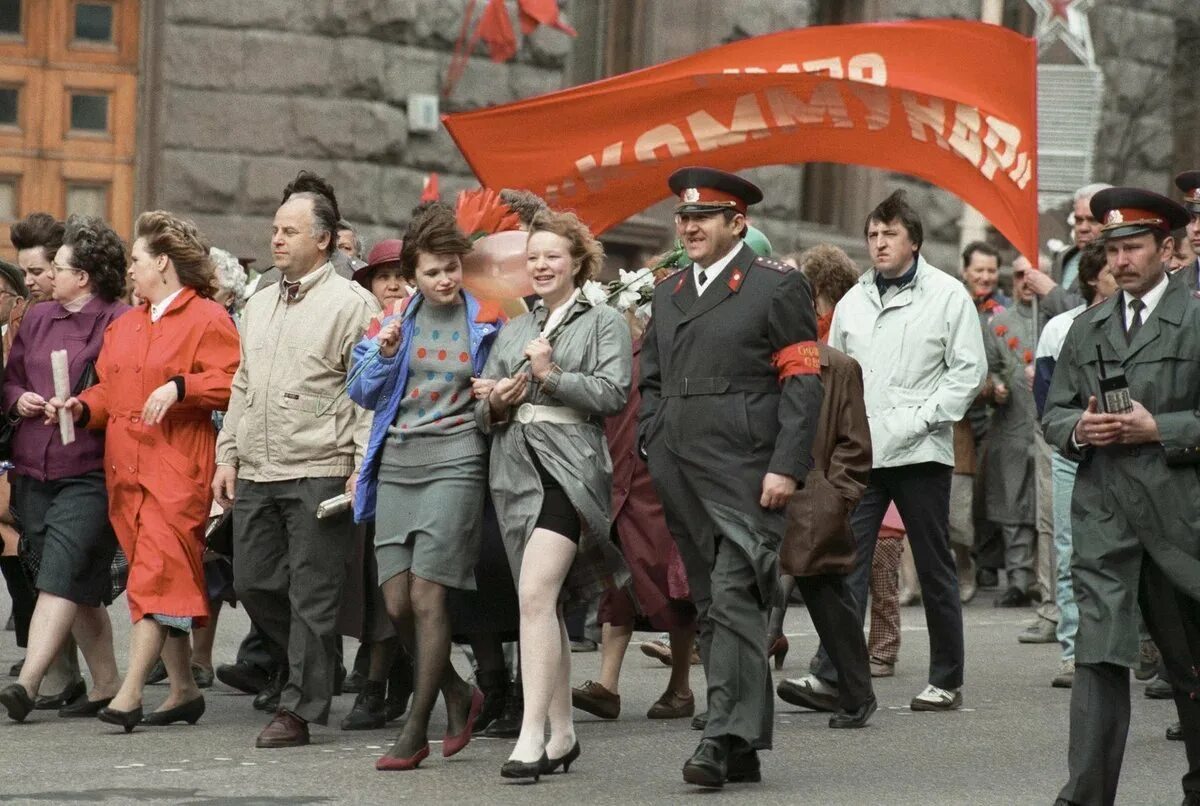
column 369, row 711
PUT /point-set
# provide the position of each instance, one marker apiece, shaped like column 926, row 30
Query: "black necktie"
column 702, row 279
column 1135, row 305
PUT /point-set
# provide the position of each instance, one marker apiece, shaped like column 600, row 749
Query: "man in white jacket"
column 916, row 334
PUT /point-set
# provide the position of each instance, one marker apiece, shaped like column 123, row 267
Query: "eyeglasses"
column 57, row 267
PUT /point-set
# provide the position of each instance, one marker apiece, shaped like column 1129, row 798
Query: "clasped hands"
column 1099, row 429
column 504, row 393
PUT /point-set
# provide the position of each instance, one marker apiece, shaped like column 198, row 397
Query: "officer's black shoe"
column 369, row 711
column 508, row 724
column 1160, row 689
column 857, row 718
column 268, row 698
column 494, row 685
column 700, row 721
column 158, row 673
column 709, row 765
column 1175, row 732
column 1191, row 799
column 743, row 766
column 987, row 578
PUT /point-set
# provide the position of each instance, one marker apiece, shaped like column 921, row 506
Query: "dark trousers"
column 831, row 608
column 290, row 571
column 922, row 496
column 256, row 650
column 23, row 596
column 1100, row 696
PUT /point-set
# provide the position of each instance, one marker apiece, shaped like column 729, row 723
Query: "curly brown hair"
column 97, row 250
column 434, row 230
column 586, row 252
column 829, row 270
column 178, row 239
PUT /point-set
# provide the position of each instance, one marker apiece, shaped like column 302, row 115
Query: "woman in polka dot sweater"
column 424, row 473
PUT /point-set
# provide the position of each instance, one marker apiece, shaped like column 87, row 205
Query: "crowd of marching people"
column 376, row 448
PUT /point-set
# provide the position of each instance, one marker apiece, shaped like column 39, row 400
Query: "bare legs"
column 418, row 609
column 148, row 641
column 545, row 649
column 614, row 640
column 54, row 618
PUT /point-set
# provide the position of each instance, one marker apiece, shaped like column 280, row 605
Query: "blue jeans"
column 1063, row 481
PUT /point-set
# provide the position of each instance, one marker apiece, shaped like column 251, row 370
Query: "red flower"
column 1013, row 342
column 1001, row 330
column 1029, row 356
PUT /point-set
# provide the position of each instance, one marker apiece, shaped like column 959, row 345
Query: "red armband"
column 801, row 358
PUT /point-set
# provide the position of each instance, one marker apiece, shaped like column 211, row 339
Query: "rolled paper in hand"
column 62, row 390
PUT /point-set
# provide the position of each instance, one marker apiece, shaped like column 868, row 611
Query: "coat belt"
column 690, row 387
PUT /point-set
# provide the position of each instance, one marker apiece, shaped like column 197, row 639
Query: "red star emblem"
column 1061, row 8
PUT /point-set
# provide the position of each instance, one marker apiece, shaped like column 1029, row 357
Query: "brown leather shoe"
column 672, row 705
column 284, row 730
column 596, row 700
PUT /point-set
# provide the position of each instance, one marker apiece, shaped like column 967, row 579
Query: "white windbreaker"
column 922, row 360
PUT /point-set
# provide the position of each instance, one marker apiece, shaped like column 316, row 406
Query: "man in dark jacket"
column 730, row 390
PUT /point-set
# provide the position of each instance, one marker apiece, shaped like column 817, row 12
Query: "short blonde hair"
column 586, row 251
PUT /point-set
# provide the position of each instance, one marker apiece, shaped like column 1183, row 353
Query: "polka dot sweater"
column 436, row 418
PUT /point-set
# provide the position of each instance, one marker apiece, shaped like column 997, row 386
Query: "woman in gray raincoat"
column 552, row 376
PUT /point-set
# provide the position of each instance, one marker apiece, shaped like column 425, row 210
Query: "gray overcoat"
column 594, row 350
column 1009, row 464
column 1130, row 501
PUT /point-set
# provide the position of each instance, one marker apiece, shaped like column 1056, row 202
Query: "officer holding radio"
column 1125, row 403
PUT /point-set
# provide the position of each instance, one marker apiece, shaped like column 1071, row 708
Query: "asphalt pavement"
column 1006, row 746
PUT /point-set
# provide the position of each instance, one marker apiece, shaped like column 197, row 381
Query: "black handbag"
column 87, row 379
column 218, row 538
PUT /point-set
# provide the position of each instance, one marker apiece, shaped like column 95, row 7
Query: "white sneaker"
column 937, row 699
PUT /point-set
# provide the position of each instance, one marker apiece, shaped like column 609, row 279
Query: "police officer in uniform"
column 731, row 393
column 1189, row 183
column 1136, row 504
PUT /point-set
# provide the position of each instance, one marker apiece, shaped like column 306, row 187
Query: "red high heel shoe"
column 393, row 764
column 778, row 650
column 453, row 744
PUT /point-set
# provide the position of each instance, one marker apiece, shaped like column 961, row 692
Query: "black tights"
column 417, row 607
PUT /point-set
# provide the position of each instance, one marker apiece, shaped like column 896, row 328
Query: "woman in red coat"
column 164, row 368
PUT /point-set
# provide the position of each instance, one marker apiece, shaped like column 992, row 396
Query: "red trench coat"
column 650, row 552
column 159, row 477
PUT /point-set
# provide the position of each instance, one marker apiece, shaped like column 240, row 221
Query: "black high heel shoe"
column 526, row 769
column 126, row 719
column 565, row 761
column 189, row 712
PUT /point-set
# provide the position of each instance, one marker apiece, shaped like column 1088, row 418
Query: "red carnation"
column 1013, row 342
column 1001, row 330
column 1029, row 356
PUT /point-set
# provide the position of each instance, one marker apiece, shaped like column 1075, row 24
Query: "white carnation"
column 594, row 293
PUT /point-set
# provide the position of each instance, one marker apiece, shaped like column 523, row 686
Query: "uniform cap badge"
column 691, row 195
column 1114, row 217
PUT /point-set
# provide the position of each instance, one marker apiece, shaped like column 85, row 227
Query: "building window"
column 87, row 199
column 94, row 22
column 8, row 105
column 89, row 113
column 10, row 17
column 8, row 198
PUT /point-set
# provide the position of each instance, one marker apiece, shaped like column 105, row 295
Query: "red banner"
column 949, row 101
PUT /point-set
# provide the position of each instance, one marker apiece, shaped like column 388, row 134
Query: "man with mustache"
column 1136, row 503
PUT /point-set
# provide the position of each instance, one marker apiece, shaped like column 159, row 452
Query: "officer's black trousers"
column 1100, row 696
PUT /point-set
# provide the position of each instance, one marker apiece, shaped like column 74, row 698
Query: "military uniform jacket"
column 1131, row 500
column 712, row 398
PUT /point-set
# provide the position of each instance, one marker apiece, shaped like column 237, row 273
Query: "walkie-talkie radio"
column 1114, row 390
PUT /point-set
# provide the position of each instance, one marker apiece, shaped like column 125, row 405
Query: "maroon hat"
column 383, row 253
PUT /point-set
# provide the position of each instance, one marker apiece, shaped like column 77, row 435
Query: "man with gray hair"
column 1058, row 291
column 292, row 439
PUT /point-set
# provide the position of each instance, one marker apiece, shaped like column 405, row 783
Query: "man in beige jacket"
column 291, row 439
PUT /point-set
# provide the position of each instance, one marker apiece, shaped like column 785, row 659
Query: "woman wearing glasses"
column 58, row 490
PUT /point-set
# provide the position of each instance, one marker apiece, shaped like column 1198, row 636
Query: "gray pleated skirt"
column 428, row 519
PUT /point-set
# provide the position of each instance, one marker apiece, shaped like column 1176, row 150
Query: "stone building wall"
column 233, row 126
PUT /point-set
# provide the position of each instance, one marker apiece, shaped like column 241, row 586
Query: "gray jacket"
column 593, row 348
